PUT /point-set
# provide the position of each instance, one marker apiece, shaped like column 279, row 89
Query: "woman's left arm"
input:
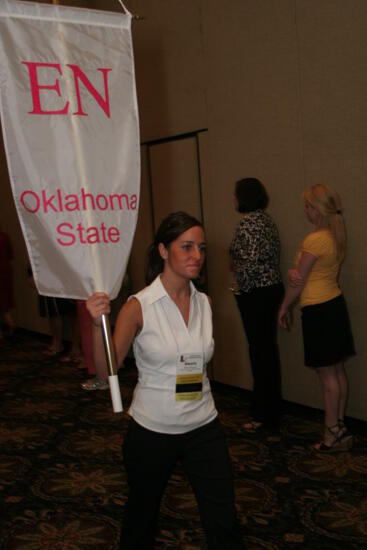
column 304, row 267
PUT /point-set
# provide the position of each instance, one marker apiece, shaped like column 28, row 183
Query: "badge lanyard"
column 189, row 368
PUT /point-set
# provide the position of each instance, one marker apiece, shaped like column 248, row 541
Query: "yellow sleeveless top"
column 322, row 283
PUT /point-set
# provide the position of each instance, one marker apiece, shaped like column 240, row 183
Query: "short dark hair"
column 169, row 230
column 251, row 195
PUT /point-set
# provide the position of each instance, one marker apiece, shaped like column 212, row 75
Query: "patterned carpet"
column 63, row 487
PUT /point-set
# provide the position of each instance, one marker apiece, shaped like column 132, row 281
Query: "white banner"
column 70, row 125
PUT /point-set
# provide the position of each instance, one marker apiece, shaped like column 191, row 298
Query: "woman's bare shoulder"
column 131, row 313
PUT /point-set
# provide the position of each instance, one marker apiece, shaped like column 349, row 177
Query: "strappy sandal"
column 338, row 442
column 251, row 426
column 95, row 384
column 343, row 430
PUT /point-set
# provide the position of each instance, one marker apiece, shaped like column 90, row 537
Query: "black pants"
column 259, row 309
column 149, row 459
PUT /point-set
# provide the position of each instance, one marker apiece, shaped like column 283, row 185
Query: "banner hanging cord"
column 135, row 16
column 124, row 7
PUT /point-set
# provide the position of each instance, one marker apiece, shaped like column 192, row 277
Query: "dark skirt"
column 327, row 335
column 54, row 307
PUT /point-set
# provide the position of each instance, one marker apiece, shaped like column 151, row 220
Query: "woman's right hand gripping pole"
column 98, row 304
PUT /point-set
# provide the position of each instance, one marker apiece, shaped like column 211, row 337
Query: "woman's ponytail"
column 337, row 227
column 328, row 203
column 154, row 264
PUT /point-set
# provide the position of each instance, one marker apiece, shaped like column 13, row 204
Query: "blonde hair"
column 327, row 202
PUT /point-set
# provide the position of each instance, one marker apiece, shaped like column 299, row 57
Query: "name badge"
column 189, row 379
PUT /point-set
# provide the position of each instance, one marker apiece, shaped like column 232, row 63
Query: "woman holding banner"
column 173, row 415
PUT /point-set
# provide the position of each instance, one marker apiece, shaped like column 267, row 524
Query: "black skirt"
column 54, row 307
column 327, row 335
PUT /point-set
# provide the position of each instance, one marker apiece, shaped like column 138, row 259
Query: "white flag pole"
column 113, row 379
column 107, row 338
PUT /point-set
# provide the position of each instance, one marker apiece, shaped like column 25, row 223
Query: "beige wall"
column 280, row 85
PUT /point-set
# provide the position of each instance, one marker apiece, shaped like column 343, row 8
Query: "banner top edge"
column 50, row 12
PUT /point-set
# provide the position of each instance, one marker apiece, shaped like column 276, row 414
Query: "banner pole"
column 107, row 338
column 111, row 365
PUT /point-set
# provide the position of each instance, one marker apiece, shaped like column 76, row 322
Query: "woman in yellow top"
column 327, row 336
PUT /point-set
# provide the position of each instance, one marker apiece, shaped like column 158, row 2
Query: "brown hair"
column 251, row 195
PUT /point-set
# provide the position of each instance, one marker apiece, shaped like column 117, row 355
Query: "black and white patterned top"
column 255, row 252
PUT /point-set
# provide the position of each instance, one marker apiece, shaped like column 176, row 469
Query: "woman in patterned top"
column 258, row 290
column 327, row 335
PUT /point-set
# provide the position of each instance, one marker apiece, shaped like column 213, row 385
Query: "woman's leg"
column 258, row 310
column 331, row 394
column 10, row 322
column 207, row 463
column 334, row 388
column 75, row 350
column 55, row 324
column 149, row 458
column 343, row 387
column 86, row 340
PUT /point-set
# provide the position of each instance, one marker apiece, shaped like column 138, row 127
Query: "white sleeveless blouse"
column 157, row 349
